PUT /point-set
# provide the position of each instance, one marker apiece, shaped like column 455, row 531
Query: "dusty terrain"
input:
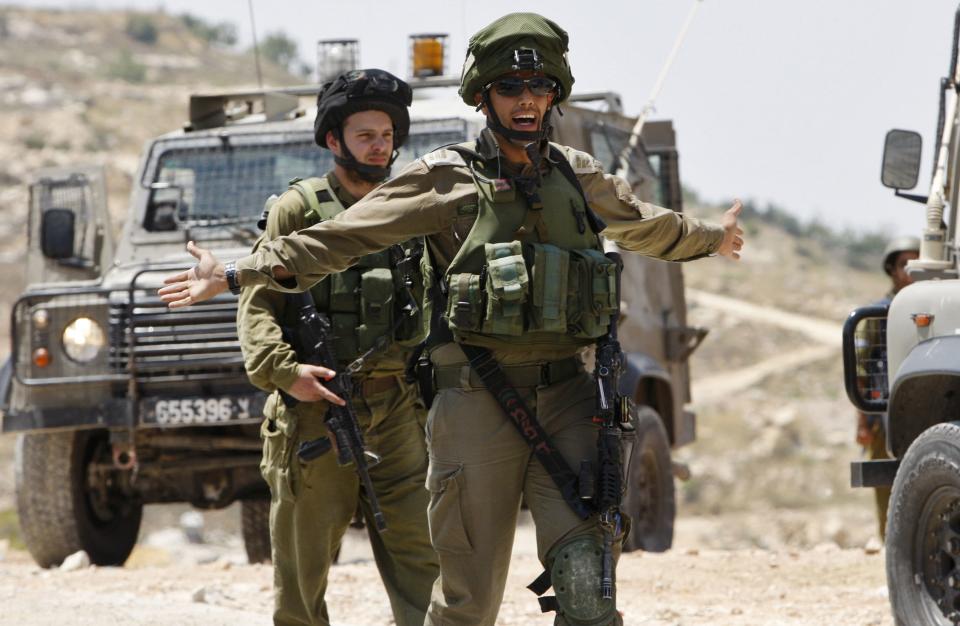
column 768, row 531
column 688, row 586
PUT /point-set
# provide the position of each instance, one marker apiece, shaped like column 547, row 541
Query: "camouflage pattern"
column 313, row 503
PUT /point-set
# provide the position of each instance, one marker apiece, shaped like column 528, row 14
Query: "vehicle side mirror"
column 901, row 159
column 865, row 374
column 57, row 231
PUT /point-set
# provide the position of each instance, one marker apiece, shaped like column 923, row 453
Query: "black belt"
column 538, row 375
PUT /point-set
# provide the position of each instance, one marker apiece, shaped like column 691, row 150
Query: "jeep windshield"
column 216, row 181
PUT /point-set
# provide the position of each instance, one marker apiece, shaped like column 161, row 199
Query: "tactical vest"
column 364, row 302
column 548, row 283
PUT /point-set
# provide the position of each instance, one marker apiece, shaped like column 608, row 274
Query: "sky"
column 774, row 101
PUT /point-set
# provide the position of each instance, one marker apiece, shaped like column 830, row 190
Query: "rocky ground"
column 170, row 582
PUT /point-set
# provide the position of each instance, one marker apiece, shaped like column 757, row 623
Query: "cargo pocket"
column 445, row 513
column 549, row 293
column 465, row 302
column 275, row 466
column 592, row 297
column 376, row 304
column 507, row 287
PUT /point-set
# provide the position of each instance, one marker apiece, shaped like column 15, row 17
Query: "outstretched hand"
column 201, row 282
column 732, row 233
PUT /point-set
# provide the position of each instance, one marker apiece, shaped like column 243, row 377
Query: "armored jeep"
column 903, row 361
column 118, row 402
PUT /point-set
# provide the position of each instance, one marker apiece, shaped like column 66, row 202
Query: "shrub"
column 221, row 34
column 142, row 28
column 280, row 49
column 125, row 68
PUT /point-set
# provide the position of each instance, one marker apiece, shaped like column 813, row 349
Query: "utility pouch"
column 465, row 302
column 376, row 305
column 593, row 297
column 345, row 344
column 507, row 285
column 549, row 293
column 344, row 288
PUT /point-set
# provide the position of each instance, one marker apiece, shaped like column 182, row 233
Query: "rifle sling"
column 525, row 421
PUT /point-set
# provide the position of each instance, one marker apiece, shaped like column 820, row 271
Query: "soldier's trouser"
column 479, row 469
column 313, row 503
column 878, row 451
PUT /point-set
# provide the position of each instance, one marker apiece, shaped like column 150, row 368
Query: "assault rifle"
column 612, row 410
column 313, row 341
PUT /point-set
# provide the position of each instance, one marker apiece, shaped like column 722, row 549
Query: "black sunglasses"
column 513, row 86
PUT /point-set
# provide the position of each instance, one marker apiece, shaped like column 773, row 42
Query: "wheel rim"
column 937, row 546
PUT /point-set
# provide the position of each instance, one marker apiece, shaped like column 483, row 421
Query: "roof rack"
column 213, row 110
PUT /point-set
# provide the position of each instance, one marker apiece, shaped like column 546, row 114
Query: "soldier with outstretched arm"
column 518, row 282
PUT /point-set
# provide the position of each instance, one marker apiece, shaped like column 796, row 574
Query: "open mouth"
column 524, row 121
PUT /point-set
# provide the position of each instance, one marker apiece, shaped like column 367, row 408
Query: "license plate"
column 202, row 411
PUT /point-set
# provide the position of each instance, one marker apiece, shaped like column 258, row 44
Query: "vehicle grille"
column 195, row 343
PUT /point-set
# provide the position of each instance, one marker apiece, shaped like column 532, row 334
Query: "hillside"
column 77, row 87
column 770, row 463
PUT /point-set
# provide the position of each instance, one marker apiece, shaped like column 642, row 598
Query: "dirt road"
column 687, row 586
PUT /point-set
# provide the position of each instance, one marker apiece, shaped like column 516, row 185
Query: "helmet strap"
column 368, row 173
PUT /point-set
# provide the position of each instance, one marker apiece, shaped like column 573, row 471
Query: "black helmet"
column 363, row 90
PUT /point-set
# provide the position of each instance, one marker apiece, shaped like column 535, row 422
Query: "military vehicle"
column 903, row 361
column 119, row 402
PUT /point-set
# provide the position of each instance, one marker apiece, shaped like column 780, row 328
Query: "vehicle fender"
column 926, row 391
column 647, row 382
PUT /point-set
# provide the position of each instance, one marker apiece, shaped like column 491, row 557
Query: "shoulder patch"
column 442, row 157
column 581, row 162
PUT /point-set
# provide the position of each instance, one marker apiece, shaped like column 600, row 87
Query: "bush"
column 34, row 141
column 222, row 34
column 280, row 49
column 127, row 69
column 142, row 28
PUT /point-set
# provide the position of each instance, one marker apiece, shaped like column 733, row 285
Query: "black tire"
column 923, row 531
column 650, row 497
column 58, row 512
column 255, row 527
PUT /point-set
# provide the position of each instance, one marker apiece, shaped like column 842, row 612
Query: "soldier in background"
column 871, row 433
column 516, row 268
column 362, row 119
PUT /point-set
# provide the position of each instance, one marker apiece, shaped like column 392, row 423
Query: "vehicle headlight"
column 83, row 339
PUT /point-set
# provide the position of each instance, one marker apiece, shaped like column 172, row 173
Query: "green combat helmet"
column 895, row 247
column 515, row 42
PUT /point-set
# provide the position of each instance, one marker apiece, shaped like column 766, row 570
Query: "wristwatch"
column 230, row 273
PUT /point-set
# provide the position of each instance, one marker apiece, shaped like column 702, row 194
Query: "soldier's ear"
column 333, row 143
column 478, row 100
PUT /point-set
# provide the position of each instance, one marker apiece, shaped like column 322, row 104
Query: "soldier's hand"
column 308, row 388
column 732, row 233
column 201, row 282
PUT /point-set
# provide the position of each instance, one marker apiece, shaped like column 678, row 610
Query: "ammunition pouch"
column 535, row 288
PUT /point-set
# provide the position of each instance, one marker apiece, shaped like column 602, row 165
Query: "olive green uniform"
column 313, row 503
column 479, row 465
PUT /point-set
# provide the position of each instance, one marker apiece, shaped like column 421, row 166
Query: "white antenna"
column 648, row 108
